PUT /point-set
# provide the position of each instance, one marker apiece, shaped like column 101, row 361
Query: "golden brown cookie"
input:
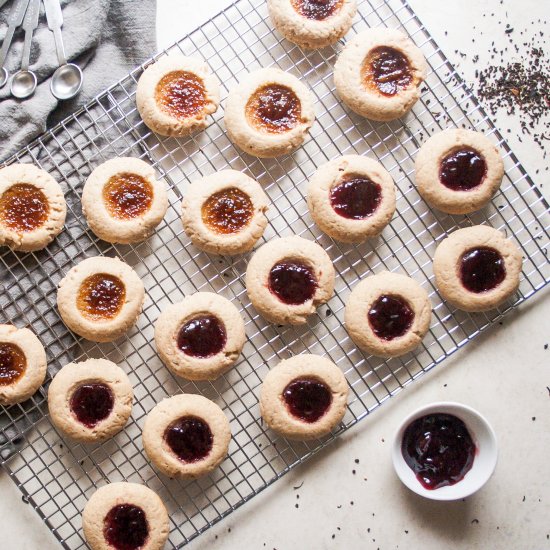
column 125, row 515
column 90, row 401
column 269, row 113
column 176, row 94
column 100, row 298
column 186, row 436
column 32, row 208
column 458, row 171
column 477, row 268
column 224, row 213
column 288, row 278
column 200, row 337
column 312, row 23
column 388, row 314
column 351, row 198
column 379, row 72
column 123, row 201
column 22, row 364
column 304, row 397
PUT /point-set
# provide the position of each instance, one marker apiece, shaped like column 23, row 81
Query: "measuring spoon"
column 23, row 82
column 15, row 18
column 67, row 79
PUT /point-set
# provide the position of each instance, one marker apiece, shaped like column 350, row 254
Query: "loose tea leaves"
column 522, row 88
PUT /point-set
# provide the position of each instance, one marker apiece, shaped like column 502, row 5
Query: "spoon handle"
column 15, row 18
column 29, row 25
column 54, row 15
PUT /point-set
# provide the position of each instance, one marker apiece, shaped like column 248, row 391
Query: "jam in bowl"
column 445, row 451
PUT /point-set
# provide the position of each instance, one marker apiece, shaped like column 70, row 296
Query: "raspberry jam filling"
column 101, row 296
column 180, row 94
column 386, row 70
column 91, row 403
column 482, row 269
column 125, row 527
column 307, row 398
column 274, row 109
column 202, row 336
column 23, row 207
column 292, row 282
column 318, row 10
column 463, row 170
column 127, row 196
column 390, row 317
column 189, row 438
column 356, row 197
column 13, row 363
column 439, row 450
column 227, row 211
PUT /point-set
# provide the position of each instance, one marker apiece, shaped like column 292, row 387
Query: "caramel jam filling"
column 23, row 207
column 127, row 195
column 318, row 10
column 13, row 363
column 227, row 211
column 101, row 297
column 386, row 70
column 180, row 94
column 274, row 109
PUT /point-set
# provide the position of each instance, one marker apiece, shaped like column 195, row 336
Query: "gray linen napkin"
column 106, row 38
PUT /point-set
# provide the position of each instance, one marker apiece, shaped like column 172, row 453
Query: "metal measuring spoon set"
column 67, row 79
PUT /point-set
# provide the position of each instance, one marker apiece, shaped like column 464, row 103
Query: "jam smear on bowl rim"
column 439, row 449
column 482, row 269
column 127, row 196
column 181, row 94
column 23, row 207
column 462, row 169
column 355, row 197
column 307, row 398
column 125, row 527
column 390, row 316
column 91, row 403
column 292, row 281
column 227, row 211
column 273, row 108
column 101, row 296
column 202, row 336
column 189, row 438
column 13, row 363
column 386, row 70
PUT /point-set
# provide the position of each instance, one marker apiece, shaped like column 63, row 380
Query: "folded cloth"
column 106, row 38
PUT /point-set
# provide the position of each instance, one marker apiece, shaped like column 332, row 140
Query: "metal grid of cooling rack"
column 58, row 476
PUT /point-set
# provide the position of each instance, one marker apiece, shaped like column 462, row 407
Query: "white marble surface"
column 505, row 374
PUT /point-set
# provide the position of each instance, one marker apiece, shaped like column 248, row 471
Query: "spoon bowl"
column 3, row 76
column 66, row 81
column 23, row 84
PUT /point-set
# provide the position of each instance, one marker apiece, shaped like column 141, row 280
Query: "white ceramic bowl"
column 484, row 462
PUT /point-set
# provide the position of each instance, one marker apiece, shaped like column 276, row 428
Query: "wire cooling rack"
column 58, row 476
